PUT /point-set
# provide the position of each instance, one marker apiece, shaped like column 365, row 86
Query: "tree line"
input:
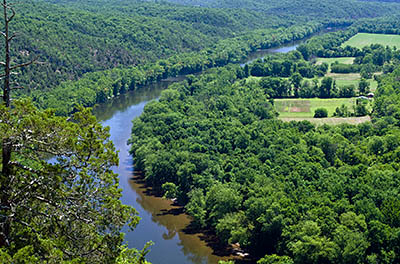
column 286, row 192
column 97, row 87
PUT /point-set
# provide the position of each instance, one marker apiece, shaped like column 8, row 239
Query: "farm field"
column 343, row 79
column 304, row 108
column 365, row 39
column 343, row 60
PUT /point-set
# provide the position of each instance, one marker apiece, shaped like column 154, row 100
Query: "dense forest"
column 73, row 38
column 315, row 194
column 313, row 9
column 285, row 192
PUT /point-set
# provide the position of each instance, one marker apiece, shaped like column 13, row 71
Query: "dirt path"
column 329, row 120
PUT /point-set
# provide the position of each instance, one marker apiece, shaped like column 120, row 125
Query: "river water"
column 161, row 222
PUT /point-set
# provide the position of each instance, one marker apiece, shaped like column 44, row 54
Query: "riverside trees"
column 59, row 197
column 308, row 194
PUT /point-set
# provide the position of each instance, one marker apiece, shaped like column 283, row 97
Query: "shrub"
column 320, row 113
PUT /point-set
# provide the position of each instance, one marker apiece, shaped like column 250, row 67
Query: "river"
column 161, row 222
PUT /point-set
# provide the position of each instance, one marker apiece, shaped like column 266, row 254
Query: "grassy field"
column 343, row 60
column 348, row 79
column 365, row 39
column 345, row 78
column 304, row 108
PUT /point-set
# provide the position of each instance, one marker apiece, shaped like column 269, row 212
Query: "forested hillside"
column 284, row 192
column 72, row 41
column 313, row 9
column 98, row 87
column 72, row 38
column 293, row 192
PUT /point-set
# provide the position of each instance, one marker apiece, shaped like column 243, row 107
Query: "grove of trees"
column 286, row 192
column 59, row 198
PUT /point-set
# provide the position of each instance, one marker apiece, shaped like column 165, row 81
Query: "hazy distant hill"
column 74, row 37
column 310, row 8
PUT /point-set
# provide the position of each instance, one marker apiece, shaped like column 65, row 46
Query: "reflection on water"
column 172, row 217
column 107, row 110
column 161, row 222
column 261, row 54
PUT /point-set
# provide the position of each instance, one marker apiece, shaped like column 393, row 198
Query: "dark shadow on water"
column 172, row 211
column 209, row 238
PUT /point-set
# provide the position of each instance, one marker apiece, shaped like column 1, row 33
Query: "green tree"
column 275, row 259
column 325, row 88
column 59, row 196
column 363, row 86
column 351, row 238
column 320, row 113
column 295, row 80
column 70, row 203
column 196, row 207
column 309, row 246
column 343, row 111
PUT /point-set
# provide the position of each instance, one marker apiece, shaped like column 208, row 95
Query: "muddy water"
column 161, row 222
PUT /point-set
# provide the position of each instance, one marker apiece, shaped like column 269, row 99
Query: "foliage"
column 275, row 259
column 132, row 255
column 320, row 113
column 98, row 87
column 90, row 54
column 291, row 192
column 341, row 111
column 66, row 208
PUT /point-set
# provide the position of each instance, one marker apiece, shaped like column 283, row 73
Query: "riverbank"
column 178, row 223
column 161, row 221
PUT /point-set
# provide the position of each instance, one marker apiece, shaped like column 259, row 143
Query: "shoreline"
column 183, row 223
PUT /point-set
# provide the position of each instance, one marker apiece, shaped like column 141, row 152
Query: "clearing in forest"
column 304, row 108
column 365, row 39
column 343, row 79
column 329, row 61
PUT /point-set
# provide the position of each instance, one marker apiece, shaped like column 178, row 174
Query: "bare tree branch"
column 13, row 13
column 12, row 37
column 25, row 64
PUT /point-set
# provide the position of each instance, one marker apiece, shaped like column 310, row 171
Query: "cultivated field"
column 304, row 108
column 345, row 78
column 343, row 60
column 365, row 39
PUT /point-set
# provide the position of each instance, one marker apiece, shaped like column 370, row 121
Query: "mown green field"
column 343, row 79
column 343, row 60
column 365, row 39
column 289, row 108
